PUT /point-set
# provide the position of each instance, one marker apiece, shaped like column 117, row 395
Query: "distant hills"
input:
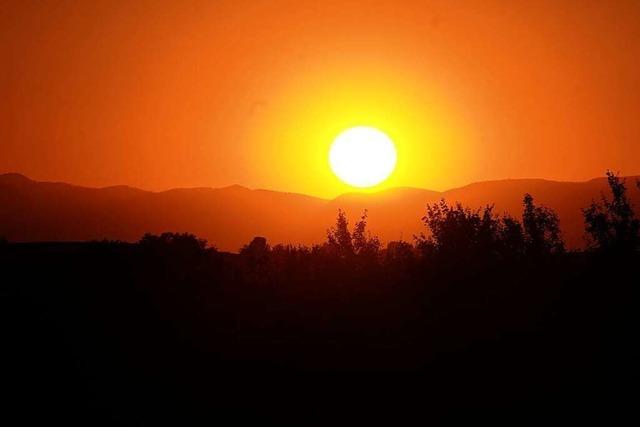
column 229, row 217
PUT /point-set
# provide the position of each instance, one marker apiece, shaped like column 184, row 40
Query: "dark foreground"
column 128, row 334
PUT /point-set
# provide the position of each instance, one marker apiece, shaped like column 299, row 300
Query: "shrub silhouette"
column 611, row 224
column 183, row 245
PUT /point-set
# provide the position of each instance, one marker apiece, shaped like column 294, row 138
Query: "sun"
column 362, row 156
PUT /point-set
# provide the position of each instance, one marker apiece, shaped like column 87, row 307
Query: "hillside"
column 229, row 217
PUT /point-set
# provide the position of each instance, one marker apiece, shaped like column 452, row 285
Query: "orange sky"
column 201, row 93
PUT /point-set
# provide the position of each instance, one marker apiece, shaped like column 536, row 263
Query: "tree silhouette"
column 459, row 231
column 399, row 254
column 178, row 244
column 511, row 236
column 359, row 238
column 363, row 243
column 611, row 224
column 256, row 253
column 347, row 244
column 541, row 228
column 339, row 237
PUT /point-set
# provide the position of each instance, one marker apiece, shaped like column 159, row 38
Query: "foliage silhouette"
column 345, row 244
column 182, row 244
column 611, row 225
column 461, row 233
column 339, row 237
column 541, row 228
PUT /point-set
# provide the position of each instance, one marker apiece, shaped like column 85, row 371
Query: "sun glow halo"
column 362, row 156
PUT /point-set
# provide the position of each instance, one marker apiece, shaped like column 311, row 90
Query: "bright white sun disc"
column 362, row 156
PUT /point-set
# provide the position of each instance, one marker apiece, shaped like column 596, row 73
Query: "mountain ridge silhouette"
column 228, row 217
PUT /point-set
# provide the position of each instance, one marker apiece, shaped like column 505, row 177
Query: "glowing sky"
column 200, row 93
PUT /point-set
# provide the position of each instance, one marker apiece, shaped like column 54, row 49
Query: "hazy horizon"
column 350, row 191
column 228, row 216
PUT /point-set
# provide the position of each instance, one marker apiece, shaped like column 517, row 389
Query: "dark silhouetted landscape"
column 482, row 314
column 336, row 212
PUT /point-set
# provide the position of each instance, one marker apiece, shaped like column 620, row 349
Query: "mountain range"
column 230, row 217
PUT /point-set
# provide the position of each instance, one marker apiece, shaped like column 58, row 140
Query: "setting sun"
column 362, row 156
